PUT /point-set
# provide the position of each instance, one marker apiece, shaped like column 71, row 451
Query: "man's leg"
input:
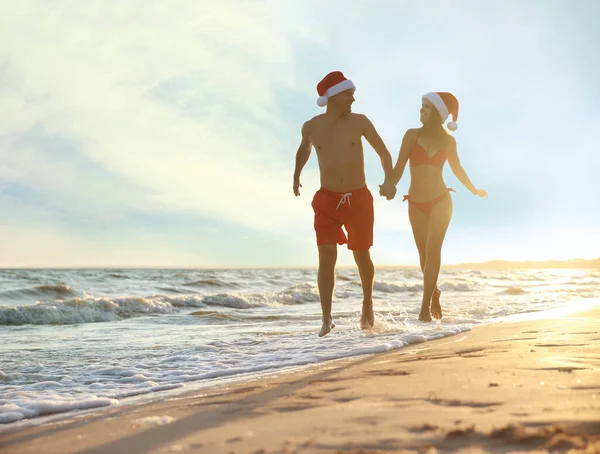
column 325, row 281
column 366, row 271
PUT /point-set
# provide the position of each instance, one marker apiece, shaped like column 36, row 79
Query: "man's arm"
column 377, row 143
column 461, row 174
column 388, row 188
column 302, row 156
column 403, row 155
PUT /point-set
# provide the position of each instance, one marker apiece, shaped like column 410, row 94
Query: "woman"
column 429, row 202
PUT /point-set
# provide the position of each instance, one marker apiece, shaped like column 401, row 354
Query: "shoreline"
column 183, row 388
column 451, row 397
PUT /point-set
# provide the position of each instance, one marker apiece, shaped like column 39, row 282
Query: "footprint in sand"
column 388, row 372
column 298, row 407
column 342, row 400
column 310, row 397
column 423, row 428
column 568, row 370
column 515, row 339
column 369, row 420
column 559, row 345
column 333, row 390
column 331, row 380
column 460, row 403
column 468, row 351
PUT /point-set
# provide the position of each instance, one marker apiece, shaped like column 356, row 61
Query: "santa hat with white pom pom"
column 332, row 84
column 446, row 104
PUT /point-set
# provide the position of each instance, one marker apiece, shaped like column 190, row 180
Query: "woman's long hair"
column 434, row 127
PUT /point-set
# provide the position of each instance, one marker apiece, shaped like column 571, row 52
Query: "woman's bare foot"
column 328, row 325
column 425, row 316
column 367, row 318
column 436, row 309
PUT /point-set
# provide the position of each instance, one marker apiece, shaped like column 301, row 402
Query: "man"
column 344, row 199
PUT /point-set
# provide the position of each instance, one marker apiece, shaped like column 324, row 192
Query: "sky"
column 154, row 134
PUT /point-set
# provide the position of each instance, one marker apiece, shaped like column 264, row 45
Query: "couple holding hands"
column 345, row 201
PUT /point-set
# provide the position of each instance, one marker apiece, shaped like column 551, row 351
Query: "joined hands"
column 387, row 190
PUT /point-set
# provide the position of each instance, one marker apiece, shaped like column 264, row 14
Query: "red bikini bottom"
column 426, row 207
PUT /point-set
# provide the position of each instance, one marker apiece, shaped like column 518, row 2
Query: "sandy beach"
column 529, row 386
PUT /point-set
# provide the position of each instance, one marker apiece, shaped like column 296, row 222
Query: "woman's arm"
column 407, row 141
column 458, row 170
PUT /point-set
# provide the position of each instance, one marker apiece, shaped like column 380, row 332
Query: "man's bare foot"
column 425, row 316
column 436, row 309
column 367, row 318
column 327, row 326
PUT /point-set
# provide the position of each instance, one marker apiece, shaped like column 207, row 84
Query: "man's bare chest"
column 336, row 138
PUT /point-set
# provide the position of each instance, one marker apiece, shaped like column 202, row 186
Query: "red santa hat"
column 446, row 104
column 332, row 84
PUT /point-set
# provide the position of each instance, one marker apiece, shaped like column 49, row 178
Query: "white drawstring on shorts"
column 345, row 198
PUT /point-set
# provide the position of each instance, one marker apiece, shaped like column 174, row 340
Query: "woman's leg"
column 439, row 219
column 419, row 222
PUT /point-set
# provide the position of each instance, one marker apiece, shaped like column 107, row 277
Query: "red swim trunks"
column 353, row 210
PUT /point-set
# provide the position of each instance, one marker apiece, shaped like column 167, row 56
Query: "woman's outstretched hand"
column 481, row 193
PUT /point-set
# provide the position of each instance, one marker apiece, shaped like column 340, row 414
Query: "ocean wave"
column 91, row 309
column 296, row 294
column 299, row 294
column 83, row 310
column 519, row 277
column 528, row 277
column 211, row 283
column 175, row 290
column 585, row 282
column 388, row 287
column 19, row 409
column 232, row 301
column 215, row 314
column 48, row 291
column 19, row 405
column 458, row 287
column 586, row 292
column 219, row 317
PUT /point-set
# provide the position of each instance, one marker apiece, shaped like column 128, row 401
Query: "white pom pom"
column 452, row 126
column 322, row 101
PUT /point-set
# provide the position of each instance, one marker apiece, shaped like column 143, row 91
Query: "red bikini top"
column 419, row 156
